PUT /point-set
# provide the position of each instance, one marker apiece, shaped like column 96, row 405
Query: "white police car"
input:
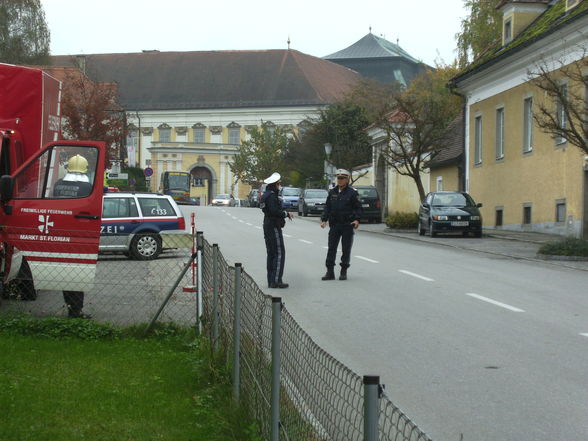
column 134, row 222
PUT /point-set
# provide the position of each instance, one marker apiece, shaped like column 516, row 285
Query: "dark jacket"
column 271, row 205
column 71, row 189
column 342, row 207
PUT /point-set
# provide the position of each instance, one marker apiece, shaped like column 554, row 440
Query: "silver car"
column 312, row 201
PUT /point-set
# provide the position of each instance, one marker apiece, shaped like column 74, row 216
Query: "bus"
column 177, row 185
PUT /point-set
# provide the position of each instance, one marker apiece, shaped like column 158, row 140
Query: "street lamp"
column 328, row 166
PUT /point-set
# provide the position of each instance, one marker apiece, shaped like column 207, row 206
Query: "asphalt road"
column 466, row 342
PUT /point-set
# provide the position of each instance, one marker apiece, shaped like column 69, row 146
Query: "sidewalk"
column 513, row 244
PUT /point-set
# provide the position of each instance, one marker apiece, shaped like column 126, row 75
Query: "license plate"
column 460, row 223
column 365, row 205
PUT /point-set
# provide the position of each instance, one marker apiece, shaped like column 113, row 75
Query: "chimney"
column 517, row 15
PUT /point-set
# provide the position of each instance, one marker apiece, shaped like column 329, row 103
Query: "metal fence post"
column 237, row 333
column 371, row 407
column 215, row 288
column 276, row 344
column 199, row 252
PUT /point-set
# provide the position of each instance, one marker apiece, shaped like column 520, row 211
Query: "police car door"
column 58, row 236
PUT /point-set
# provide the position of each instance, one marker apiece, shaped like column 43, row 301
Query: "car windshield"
column 316, row 194
column 222, row 196
column 452, row 200
column 367, row 192
column 290, row 191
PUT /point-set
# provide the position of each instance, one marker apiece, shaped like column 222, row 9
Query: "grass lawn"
column 113, row 388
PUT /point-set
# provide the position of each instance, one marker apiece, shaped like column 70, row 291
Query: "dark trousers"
column 74, row 301
column 276, row 253
column 343, row 232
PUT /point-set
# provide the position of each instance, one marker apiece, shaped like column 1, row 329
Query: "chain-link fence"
column 294, row 388
column 319, row 397
column 116, row 289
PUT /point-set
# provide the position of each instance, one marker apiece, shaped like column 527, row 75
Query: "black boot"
column 343, row 275
column 279, row 285
column 330, row 275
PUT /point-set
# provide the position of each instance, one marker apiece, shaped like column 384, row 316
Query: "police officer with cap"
column 273, row 222
column 342, row 211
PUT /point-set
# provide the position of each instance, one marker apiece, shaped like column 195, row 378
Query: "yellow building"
column 526, row 178
column 190, row 111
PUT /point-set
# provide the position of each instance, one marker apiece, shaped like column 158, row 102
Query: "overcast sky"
column 425, row 29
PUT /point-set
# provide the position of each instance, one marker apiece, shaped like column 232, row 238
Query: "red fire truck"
column 46, row 242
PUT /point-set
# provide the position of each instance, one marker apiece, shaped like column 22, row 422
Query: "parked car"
column 370, row 203
column 133, row 223
column 226, row 200
column 290, row 196
column 312, row 201
column 241, row 202
column 253, row 198
column 449, row 212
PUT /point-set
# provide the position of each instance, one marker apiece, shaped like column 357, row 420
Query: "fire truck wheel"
column 24, row 284
column 146, row 246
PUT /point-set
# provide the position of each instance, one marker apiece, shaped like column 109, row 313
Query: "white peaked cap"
column 275, row 177
column 342, row 171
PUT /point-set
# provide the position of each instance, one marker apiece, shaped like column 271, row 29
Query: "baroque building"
column 189, row 111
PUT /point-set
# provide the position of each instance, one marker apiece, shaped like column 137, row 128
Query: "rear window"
column 119, row 207
column 222, row 196
column 290, row 191
column 153, row 207
column 316, row 194
column 367, row 192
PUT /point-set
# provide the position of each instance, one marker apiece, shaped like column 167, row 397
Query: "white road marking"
column 585, row 334
column 494, row 302
column 259, row 228
column 287, row 235
column 326, row 248
column 242, row 221
column 249, row 224
column 418, row 276
column 305, row 241
column 366, row 259
column 234, row 217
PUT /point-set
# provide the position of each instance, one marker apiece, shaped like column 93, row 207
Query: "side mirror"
column 426, row 205
column 479, row 205
column 6, row 188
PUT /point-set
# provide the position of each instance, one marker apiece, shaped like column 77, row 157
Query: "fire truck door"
column 53, row 218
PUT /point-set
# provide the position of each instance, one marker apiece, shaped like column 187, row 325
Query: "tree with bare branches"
column 416, row 130
column 563, row 113
column 90, row 111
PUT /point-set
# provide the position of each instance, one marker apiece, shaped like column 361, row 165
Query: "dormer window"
column 508, row 30
column 571, row 3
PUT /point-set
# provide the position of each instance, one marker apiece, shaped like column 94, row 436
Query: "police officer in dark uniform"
column 273, row 221
column 75, row 184
column 342, row 211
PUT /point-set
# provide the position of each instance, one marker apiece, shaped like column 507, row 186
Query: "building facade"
column 526, row 179
column 190, row 111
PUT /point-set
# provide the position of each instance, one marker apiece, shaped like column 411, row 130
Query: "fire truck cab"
column 48, row 240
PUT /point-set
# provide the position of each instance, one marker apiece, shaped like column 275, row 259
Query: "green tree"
column 343, row 125
column 416, row 130
column 480, row 30
column 24, row 35
column 260, row 156
column 305, row 159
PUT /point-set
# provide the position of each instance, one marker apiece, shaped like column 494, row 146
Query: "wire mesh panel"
column 323, row 398
column 320, row 398
column 121, row 290
column 395, row 425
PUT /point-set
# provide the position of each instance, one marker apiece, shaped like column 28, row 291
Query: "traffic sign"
column 148, row 171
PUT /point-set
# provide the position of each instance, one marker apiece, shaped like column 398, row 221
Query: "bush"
column 402, row 221
column 568, row 246
column 57, row 328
